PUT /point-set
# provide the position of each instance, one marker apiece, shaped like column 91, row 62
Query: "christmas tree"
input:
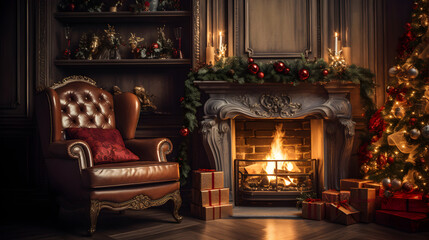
column 396, row 152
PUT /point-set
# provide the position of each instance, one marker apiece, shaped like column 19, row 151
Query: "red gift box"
column 313, row 210
column 411, row 202
column 406, row 221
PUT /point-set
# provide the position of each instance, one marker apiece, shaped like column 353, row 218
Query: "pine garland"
column 235, row 70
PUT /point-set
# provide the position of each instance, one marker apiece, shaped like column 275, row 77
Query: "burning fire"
column 279, row 153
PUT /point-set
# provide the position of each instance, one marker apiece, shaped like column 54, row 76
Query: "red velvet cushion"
column 106, row 144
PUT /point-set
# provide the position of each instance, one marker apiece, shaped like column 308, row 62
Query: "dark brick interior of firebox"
column 254, row 137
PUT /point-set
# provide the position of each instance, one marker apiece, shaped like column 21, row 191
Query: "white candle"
column 220, row 40
column 336, row 43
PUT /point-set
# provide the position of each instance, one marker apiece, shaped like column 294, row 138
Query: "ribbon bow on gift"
column 206, row 170
column 343, row 204
column 310, row 200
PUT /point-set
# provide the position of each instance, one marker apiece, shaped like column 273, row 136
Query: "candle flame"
column 336, row 34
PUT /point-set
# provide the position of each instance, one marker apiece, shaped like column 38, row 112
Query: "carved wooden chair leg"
column 177, row 201
column 93, row 214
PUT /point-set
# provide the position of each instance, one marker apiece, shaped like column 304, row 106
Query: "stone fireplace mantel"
column 327, row 106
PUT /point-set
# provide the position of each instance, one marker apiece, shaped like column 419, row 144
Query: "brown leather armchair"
column 77, row 103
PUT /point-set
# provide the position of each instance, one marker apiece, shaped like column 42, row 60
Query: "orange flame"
column 279, row 153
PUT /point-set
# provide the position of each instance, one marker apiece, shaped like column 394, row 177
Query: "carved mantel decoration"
column 328, row 107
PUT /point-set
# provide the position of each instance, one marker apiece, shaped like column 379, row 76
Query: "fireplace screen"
column 273, row 180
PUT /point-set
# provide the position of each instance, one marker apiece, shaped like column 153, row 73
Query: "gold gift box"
column 363, row 199
column 210, row 197
column 346, row 184
column 207, row 180
column 211, row 212
column 343, row 215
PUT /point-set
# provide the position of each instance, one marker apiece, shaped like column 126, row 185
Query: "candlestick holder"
column 336, row 60
column 178, row 35
column 67, row 36
column 221, row 52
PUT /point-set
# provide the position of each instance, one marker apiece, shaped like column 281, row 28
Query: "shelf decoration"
column 111, row 41
column 236, row 70
column 80, row 5
column 144, row 6
column 67, row 35
column 169, row 5
column 137, row 50
column 163, row 47
column 114, row 5
column 88, row 46
column 145, row 98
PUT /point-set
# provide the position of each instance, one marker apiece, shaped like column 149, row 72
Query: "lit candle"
column 336, row 43
column 220, row 40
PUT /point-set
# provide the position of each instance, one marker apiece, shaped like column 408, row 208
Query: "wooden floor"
column 157, row 223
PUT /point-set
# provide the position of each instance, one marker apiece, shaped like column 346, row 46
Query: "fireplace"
column 318, row 137
column 272, row 164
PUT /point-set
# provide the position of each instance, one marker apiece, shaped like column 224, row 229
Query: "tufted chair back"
column 84, row 105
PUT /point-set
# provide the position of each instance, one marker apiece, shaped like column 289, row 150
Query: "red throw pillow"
column 106, row 144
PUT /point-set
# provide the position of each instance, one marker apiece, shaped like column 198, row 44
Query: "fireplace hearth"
column 321, row 148
column 255, row 186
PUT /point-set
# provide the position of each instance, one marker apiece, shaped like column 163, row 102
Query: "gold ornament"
column 145, row 99
column 364, row 168
column 133, row 41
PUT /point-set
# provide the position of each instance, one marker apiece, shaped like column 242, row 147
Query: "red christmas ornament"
column 279, row 66
column 146, row 3
column 253, row 68
column 184, row 132
column 287, row 71
column 413, row 121
column 390, row 160
column 71, row 7
column 250, row 60
column 381, row 161
column 408, row 26
column 400, row 97
column 325, row 72
column 155, row 45
column 303, row 74
column 181, row 99
column 261, row 75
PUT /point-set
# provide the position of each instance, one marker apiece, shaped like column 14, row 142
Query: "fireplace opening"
column 273, row 165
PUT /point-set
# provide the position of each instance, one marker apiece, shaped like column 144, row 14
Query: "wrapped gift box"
column 406, row 221
column 210, row 197
column 410, row 202
column 418, row 205
column 379, row 191
column 363, row 199
column 345, row 196
column 207, row 179
column 331, row 196
column 346, row 184
column 211, row 212
column 313, row 210
column 344, row 213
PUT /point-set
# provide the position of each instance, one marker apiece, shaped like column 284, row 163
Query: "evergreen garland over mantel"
column 242, row 71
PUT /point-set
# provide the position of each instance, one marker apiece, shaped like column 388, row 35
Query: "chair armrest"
column 72, row 149
column 155, row 149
